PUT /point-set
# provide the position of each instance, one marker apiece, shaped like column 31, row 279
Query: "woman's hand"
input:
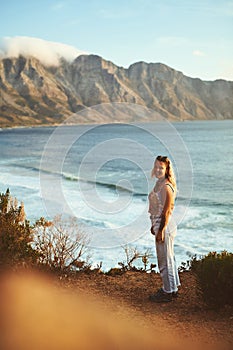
column 160, row 236
column 152, row 231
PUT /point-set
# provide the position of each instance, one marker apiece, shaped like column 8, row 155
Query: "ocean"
column 100, row 174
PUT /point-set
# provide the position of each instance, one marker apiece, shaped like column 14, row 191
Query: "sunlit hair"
column 169, row 175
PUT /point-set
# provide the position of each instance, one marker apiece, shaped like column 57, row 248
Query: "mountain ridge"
column 32, row 93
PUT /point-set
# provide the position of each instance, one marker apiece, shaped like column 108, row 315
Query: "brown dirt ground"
column 187, row 316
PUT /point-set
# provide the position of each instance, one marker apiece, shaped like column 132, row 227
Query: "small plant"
column 132, row 254
column 185, row 266
column 145, row 259
column 215, row 278
column 60, row 244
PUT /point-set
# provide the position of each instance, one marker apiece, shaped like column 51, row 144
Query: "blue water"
column 101, row 175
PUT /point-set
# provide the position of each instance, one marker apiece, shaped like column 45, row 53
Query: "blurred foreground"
column 36, row 313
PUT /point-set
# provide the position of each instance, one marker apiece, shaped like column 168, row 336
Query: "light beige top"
column 161, row 202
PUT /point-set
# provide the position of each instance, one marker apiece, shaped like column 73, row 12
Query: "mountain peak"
column 32, row 93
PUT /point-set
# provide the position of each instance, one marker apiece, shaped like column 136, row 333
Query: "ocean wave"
column 93, row 182
column 205, row 202
column 75, row 178
column 193, row 201
column 109, row 185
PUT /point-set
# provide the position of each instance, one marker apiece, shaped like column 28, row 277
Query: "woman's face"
column 159, row 169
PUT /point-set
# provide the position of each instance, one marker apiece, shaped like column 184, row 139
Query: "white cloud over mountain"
column 47, row 52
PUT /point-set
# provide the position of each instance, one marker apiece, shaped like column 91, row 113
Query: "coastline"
column 34, row 126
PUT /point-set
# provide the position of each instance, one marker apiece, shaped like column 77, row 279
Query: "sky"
column 194, row 37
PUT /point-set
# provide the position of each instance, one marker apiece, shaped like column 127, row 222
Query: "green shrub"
column 15, row 233
column 215, row 278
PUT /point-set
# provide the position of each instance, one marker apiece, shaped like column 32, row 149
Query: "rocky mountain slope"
column 34, row 94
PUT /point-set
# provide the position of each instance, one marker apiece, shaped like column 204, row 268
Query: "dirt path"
column 186, row 317
column 95, row 311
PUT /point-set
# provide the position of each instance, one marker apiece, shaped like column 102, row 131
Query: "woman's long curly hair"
column 169, row 175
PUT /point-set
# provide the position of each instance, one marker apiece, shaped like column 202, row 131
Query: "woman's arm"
column 167, row 209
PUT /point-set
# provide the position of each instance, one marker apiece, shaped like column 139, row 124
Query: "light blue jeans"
column 166, row 257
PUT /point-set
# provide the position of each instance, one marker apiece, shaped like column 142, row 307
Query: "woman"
column 163, row 227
